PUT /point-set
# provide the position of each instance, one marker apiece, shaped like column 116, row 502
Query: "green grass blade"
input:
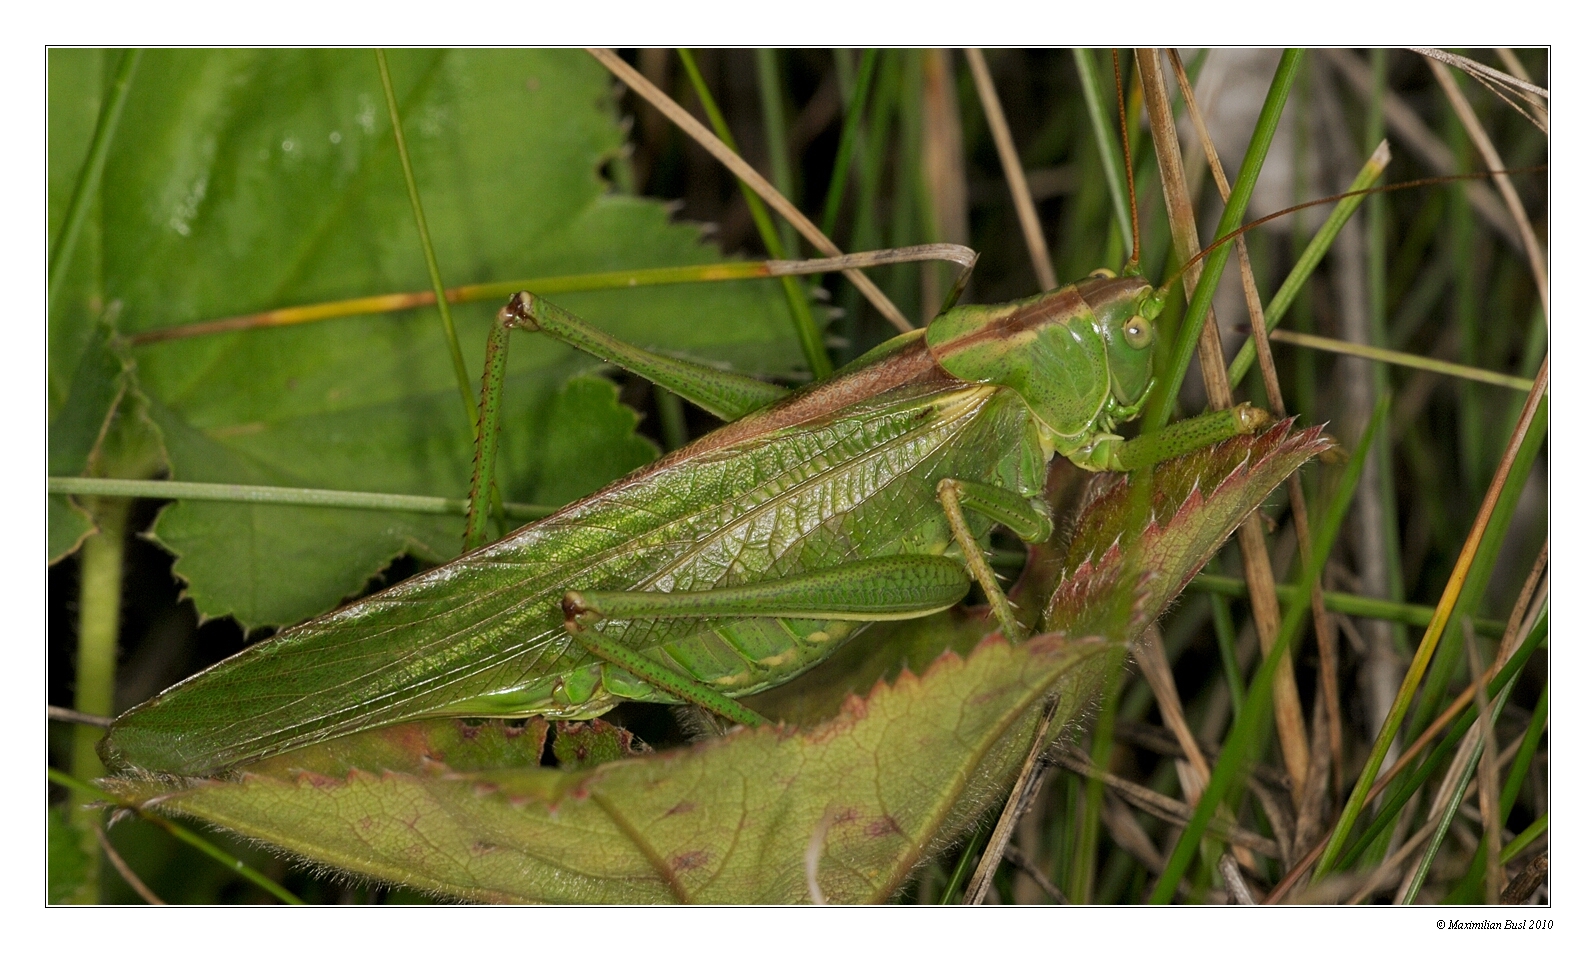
column 1163, row 403
column 462, row 378
column 1107, row 142
column 89, row 177
column 1317, row 247
column 803, row 320
column 846, row 146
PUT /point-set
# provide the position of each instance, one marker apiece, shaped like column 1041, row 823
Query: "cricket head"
column 1075, row 355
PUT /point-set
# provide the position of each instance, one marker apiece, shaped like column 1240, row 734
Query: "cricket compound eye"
column 1138, row 332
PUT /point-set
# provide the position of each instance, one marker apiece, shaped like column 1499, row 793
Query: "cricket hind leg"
column 725, row 394
column 877, row 588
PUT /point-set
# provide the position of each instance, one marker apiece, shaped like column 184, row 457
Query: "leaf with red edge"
column 881, row 788
column 1129, row 558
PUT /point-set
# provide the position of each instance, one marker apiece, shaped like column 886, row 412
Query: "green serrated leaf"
column 242, row 180
column 69, row 862
column 68, row 527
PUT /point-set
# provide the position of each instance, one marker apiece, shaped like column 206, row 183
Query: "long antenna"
column 1134, row 265
column 1393, row 187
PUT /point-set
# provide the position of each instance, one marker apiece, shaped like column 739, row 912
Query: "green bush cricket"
column 725, row 568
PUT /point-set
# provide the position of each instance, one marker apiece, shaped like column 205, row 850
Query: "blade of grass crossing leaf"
column 284, row 495
column 797, row 300
column 88, row 181
column 1250, row 725
column 90, row 792
column 1343, row 602
column 461, row 377
column 1246, row 178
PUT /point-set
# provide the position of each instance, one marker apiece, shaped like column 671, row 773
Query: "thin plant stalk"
column 745, row 173
column 282, row 495
column 99, row 621
column 84, row 790
column 1092, row 91
column 461, row 377
column 1030, row 225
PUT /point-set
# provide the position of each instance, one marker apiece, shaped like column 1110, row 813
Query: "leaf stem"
column 285, row 495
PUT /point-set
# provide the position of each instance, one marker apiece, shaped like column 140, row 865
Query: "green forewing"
column 484, row 635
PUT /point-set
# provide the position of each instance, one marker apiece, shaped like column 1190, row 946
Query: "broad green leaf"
column 243, row 180
column 882, row 787
column 69, row 863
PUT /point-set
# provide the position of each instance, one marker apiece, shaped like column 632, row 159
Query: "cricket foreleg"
column 1173, row 440
column 725, row 394
column 1027, row 517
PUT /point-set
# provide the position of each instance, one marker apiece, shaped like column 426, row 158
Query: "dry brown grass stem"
column 133, row 879
column 735, row 164
column 1030, row 225
column 1517, row 91
column 1324, row 632
column 1154, row 663
column 1516, row 67
column 1289, row 723
column 1038, row 876
column 1025, row 787
column 1161, row 806
column 1240, row 893
column 1128, row 835
column 1504, row 185
column 1428, row 147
